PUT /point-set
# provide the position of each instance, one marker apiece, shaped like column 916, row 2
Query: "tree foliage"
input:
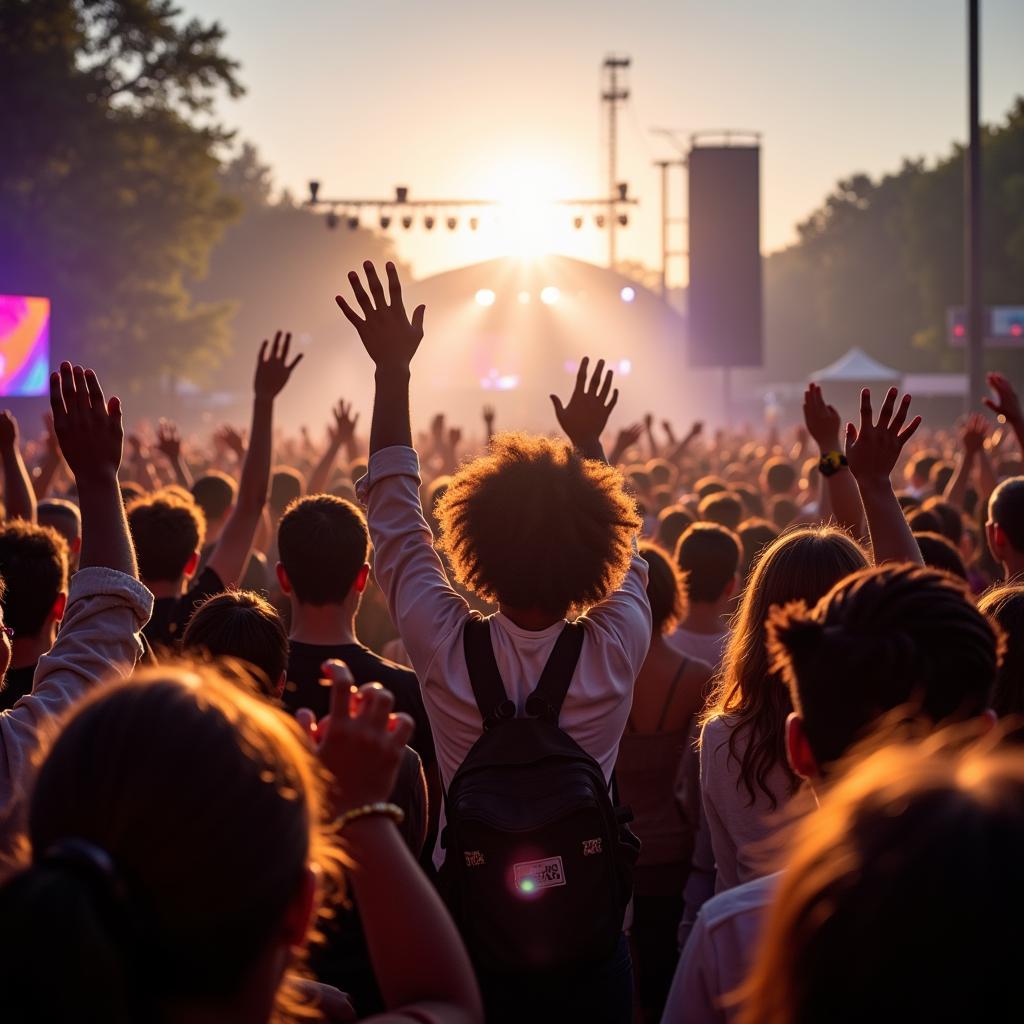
column 110, row 196
column 880, row 262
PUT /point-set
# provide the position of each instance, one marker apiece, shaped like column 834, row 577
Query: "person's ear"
column 362, row 578
column 76, row 545
column 59, row 606
column 299, row 911
column 798, row 750
column 733, row 585
column 281, row 681
column 282, row 579
column 192, row 564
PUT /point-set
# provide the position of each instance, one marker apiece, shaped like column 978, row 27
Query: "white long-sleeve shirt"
column 99, row 640
column 719, row 954
column 430, row 617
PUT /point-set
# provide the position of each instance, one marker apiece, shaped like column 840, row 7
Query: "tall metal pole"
column 613, row 95
column 972, row 223
column 663, row 166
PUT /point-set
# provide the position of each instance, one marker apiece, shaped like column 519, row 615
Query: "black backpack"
column 538, row 861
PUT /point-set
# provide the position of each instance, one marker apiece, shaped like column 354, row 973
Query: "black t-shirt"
column 305, row 690
column 17, row 683
column 171, row 614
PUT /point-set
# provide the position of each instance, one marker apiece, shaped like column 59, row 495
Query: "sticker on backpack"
column 533, row 875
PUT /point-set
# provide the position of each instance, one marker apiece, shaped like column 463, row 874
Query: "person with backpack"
column 527, row 708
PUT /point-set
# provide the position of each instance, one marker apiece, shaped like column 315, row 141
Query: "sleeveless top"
column 646, row 772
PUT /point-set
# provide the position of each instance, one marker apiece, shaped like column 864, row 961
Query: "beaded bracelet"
column 392, row 811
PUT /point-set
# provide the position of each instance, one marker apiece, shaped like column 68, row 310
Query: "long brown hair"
column 801, row 565
column 203, row 807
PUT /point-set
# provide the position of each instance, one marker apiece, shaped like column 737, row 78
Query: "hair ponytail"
column 60, row 957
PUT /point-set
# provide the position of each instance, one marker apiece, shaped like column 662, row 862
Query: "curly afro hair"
column 533, row 525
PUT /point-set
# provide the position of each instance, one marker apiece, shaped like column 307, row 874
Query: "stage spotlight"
column 428, row 223
column 599, row 220
column 485, row 297
column 353, row 223
column 453, row 223
column 550, row 295
column 385, row 222
column 332, row 220
column 577, row 222
column 625, row 367
column 628, row 294
column 524, row 298
column 474, row 223
column 623, row 219
column 407, row 222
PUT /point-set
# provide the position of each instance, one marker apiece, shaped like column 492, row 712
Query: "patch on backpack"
column 592, row 847
column 532, row 875
column 474, row 859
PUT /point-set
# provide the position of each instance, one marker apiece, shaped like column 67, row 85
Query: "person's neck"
column 1013, row 565
column 322, row 624
column 705, row 617
column 165, row 588
column 530, row 618
column 27, row 650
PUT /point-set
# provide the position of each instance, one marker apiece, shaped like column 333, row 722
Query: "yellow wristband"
column 392, row 811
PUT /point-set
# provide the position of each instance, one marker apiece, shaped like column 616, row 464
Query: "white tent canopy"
column 857, row 367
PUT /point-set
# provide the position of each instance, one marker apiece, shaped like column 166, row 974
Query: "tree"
column 880, row 262
column 110, row 199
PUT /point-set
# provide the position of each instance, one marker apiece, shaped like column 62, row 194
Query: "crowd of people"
column 714, row 727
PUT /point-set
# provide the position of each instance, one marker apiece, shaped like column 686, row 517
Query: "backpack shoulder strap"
column 484, row 677
column 547, row 699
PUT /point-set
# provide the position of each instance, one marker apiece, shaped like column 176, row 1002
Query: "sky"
column 501, row 100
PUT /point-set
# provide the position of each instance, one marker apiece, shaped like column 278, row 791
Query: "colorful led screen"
column 24, row 345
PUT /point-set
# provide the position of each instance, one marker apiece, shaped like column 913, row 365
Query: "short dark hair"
column 755, row 535
column 1006, row 510
column 242, row 625
column 920, row 465
column 665, row 589
column 1005, row 604
column 779, row 476
column 724, row 508
column 753, row 503
column 167, row 530
column 62, row 515
column 880, row 639
column 531, row 524
column 34, row 563
column 939, row 553
column 709, row 485
column 784, row 511
column 949, row 516
column 940, row 475
column 214, row 493
column 131, row 491
column 672, row 521
column 322, row 542
column 286, row 486
column 708, row 556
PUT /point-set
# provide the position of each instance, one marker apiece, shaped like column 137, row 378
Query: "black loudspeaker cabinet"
column 725, row 291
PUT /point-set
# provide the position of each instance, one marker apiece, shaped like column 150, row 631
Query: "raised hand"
column 231, row 439
column 586, row 415
column 872, row 452
column 822, row 420
column 361, row 741
column 389, row 336
column 1006, row 402
column 273, row 369
column 344, row 428
column 8, row 429
column 973, row 433
column 628, row 436
column 168, row 440
column 89, row 429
